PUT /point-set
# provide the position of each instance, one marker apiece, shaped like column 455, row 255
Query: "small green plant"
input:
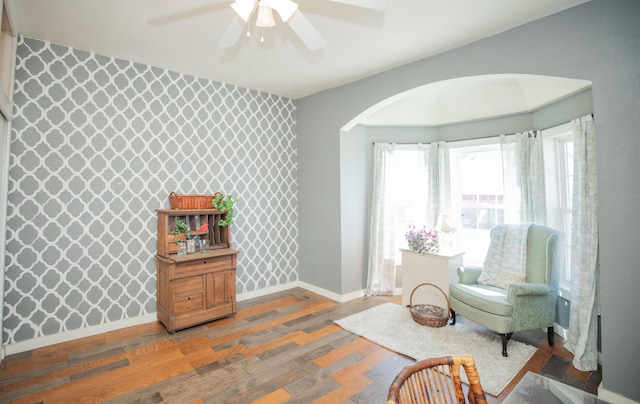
column 225, row 205
column 181, row 227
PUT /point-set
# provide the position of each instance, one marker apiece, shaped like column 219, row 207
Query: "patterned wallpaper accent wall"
column 97, row 144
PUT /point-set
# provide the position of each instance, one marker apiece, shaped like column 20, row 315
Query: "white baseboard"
column 40, row 342
column 300, row 284
column 266, row 291
column 331, row 295
column 612, row 397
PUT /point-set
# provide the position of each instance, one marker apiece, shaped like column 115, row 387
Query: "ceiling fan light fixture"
column 285, row 8
column 244, row 8
column 265, row 16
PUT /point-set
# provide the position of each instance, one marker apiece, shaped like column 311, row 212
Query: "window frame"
column 455, row 149
column 559, row 186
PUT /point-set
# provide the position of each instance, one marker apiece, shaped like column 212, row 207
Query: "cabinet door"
column 188, row 294
column 221, row 288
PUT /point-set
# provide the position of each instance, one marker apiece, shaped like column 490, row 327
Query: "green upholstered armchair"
column 514, row 304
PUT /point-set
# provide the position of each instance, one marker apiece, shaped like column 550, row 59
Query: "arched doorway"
column 451, row 110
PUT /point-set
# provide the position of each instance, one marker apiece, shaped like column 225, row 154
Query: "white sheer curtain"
column 435, row 160
column 523, row 170
column 382, row 266
column 583, row 325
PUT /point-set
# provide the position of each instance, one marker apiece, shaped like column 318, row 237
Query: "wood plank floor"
column 281, row 348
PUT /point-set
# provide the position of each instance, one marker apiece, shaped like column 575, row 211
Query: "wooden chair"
column 437, row 380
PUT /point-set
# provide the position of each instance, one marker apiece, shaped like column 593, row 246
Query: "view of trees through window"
column 477, row 197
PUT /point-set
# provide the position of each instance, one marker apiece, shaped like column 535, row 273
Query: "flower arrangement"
column 422, row 240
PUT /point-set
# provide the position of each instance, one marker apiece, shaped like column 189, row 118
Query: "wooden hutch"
column 198, row 287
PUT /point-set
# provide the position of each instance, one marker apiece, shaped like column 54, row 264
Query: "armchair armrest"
column 468, row 275
column 534, row 305
column 527, row 289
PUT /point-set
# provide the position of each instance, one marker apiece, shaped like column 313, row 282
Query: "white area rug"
column 391, row 326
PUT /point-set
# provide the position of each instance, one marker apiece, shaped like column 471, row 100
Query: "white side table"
column 437, row 268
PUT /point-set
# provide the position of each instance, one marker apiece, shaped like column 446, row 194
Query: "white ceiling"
column 471, row 98
column 183, row 36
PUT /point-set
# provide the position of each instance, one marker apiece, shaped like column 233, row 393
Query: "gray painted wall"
column 598, row 41
column 97, row 144
column 355, row 214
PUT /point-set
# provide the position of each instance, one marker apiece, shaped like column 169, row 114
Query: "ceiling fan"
column 262, row 12
column 288, row 12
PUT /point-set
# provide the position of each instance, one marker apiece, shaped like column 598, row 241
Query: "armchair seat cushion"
column 487, row 298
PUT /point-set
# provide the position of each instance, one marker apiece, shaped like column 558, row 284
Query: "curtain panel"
column 382, row 267
column 434, row 163
column 583, row 322
column 523, row 171
column 435, row 160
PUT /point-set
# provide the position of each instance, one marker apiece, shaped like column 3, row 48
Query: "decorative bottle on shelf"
column 182, row 248
column 191, row 246
column 204, row 245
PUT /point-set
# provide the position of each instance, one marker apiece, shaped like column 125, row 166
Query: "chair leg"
column 453, row 318
column 505, row 340
column 550, row 335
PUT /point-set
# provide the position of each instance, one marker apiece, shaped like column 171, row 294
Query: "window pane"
column 487, row 219
column 479, row 197
column 567, row 160
column 411, row 192
column 469, row 218
column 559, row 197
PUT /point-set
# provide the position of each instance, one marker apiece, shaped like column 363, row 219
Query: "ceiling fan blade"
column 232, row 33
column 372, row 4
column 305, row 31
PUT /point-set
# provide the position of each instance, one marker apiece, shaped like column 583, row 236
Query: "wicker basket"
column 428, row 314
column 191, row 201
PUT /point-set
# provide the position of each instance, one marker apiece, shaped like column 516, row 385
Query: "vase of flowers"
column 422, row 240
